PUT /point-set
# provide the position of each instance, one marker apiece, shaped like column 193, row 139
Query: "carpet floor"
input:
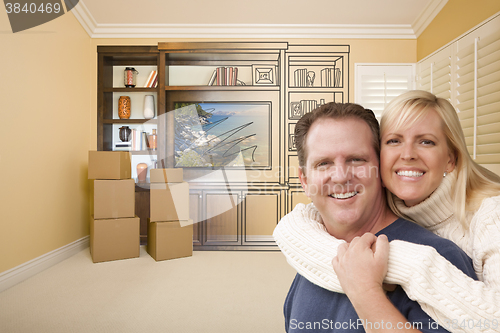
column 210, row 292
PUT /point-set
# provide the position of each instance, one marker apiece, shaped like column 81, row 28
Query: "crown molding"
column 286, row 31
column 252, row 31
column 427, row 15
column 85, row 18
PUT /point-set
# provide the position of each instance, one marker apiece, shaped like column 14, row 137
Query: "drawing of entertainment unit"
column 224, row 109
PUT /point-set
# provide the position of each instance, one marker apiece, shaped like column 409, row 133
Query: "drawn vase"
column 124, row 107
column 125, row 133
column 149, row 107
column 142, row 172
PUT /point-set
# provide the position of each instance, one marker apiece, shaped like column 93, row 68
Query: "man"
column 338, row 150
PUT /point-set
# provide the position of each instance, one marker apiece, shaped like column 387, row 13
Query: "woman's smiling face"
column 414, row 159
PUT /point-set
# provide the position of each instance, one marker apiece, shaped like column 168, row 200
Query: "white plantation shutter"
column 488, row 99
column 434, row 74
column 424, row 70
column 441, row 82
column 467, row 72
column 465, row 96
column 478, row 93
column 377, row 85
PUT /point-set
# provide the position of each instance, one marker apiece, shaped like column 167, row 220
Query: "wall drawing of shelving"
column 316, row 75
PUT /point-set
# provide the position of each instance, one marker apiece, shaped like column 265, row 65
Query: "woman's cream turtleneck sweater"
column 455, row 301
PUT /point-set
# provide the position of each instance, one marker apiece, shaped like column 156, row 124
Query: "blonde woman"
column 431, row 180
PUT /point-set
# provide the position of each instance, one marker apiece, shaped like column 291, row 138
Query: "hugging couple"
column 403, row 232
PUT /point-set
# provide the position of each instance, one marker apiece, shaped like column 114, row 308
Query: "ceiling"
column 256, row 18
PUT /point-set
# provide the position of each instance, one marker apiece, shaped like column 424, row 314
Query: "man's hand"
column 361, row 265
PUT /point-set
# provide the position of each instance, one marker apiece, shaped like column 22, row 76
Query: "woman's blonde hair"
column 474, row 182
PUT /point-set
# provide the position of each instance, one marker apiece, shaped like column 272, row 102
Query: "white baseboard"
column 28, row 269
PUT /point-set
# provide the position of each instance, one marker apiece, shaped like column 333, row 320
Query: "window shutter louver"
column 434, row 74
column 373, row 92
column 424, row 77
column 377, row 85
column 488, row 99
column 441, row 82
column 465, row 93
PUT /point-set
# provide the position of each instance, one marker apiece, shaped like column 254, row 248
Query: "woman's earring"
column 445, row 173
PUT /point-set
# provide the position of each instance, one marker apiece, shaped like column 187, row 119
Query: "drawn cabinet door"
column 222, row 218
column 261, row 213
column 296, row 195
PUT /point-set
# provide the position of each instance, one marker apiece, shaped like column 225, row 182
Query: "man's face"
column 342, row 175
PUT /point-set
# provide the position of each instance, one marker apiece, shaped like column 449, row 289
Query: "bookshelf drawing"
column 317, row 74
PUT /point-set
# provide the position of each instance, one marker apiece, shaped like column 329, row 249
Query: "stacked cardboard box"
column 170, row 232
column 114, row 228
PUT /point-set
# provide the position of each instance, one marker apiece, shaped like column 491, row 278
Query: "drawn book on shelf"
column 330, row 77
column 300, row 77
column 224, row 76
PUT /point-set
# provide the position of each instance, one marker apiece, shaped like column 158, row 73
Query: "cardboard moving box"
column 114, row 239
column 109, row 165
column 169, row 202
column 113, row 198
column 169, row 240
column 171, row 175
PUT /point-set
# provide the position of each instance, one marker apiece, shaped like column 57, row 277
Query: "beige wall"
column 456, row 18
column 45, row 131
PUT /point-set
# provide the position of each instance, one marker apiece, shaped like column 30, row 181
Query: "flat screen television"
column 234, row 135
